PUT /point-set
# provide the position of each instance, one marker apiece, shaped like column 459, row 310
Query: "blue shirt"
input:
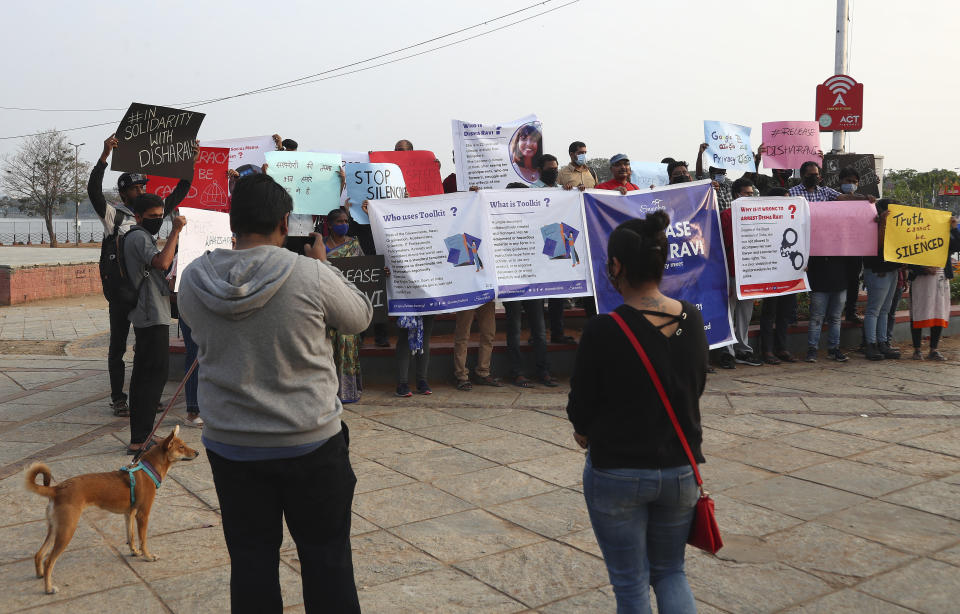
column 821, row 194
column 253, row 453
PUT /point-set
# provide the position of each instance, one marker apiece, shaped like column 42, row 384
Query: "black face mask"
column 679, row 179
column 152, row 225
column 549, row 176
column 811, row 181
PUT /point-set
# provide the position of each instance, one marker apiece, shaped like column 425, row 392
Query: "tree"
column 601, row 166
column 915, row 188
column 42, row 176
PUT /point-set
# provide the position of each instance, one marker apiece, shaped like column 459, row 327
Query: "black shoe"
column 888, row 352
column 855, row 318
column 382, row 342
column 872, row 352
column 726, row 361
column 562, row 339
column 811, row 355
column 747, row 359
column 837, row 355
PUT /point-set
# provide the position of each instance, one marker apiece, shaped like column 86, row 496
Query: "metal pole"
column 840, row 62
column 76, row 187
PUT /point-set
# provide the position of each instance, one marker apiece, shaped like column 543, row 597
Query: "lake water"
column 33, row 230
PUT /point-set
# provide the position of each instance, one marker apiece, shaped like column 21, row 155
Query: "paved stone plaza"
column 837, row 489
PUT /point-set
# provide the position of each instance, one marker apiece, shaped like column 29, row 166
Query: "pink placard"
column 843, row 228
column 790, row 144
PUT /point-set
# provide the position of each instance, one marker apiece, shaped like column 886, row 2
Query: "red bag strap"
column 663, row 393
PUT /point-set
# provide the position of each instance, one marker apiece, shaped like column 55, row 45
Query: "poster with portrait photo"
column 491, row 156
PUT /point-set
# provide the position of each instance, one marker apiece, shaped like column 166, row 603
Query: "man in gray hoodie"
column 268, row 388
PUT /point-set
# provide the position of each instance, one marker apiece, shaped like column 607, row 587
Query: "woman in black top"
column 639, row 487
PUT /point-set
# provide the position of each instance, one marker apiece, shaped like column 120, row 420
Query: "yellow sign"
column 917, row 236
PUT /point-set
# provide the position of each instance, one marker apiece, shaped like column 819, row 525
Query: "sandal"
column 464, row 385
column 785, row 356
column 549, row 381
column 120, row 409
column 771, row 359
column 523, row 382
column 489, row 381
column 134, row 448
column 936, row 355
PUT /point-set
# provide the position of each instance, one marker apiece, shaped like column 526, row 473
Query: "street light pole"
column 840, row 62
column 76, row 187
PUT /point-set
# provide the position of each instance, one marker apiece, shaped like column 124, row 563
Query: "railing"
column 34, row 231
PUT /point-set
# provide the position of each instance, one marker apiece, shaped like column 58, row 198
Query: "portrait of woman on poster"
column 525, row 147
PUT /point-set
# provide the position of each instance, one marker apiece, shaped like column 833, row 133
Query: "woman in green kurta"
column 346, row 348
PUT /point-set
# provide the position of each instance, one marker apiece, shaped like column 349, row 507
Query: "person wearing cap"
column 620, row 167
column 116, row 222
column 145, row 264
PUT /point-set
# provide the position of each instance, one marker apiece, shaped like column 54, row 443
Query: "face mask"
column 679, row 179
column 340, row 229
column 549, row 176
column 811, row 181
column 848, row 188
column 719, row 178
column 581, row 159
column 152, row 225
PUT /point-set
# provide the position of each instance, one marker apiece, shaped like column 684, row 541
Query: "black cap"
column 129, row 179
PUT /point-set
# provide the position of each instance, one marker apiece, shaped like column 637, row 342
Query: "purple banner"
column 525, row 291
column 441, row 304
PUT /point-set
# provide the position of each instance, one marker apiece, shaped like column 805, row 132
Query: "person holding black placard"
column 346, row 348
column 116, row 222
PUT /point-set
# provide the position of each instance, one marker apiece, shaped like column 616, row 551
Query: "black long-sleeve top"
column 108, row 213
column 614, row 403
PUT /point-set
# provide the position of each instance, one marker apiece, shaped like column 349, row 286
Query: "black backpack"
column 117, row 287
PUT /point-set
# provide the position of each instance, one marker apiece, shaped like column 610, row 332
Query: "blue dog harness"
column 146, row 468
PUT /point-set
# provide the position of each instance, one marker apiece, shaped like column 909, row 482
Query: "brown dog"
column 110, row 491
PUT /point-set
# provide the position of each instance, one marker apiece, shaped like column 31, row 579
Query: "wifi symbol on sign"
column 839, row 84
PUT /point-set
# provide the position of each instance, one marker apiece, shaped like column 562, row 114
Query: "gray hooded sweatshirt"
column 260, row 317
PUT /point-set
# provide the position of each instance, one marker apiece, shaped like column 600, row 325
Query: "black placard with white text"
column 368, row 275
column 157, row 141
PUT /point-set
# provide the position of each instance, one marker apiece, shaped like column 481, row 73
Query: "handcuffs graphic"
column 785, row 253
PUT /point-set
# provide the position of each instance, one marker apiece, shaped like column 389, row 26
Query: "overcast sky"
column 624, row 76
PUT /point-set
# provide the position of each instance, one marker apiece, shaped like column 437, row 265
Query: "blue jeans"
column 190, row 349
column 880, row 289
column 641, row 518
column 825, row 306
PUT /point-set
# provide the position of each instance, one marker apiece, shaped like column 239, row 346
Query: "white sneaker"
column 196, row 421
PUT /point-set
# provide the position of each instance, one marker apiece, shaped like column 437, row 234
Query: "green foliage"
column 918, row 189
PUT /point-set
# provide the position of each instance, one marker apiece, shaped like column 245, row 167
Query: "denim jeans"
column 190, row 354
column 313, row 494
column 641, row 518
column 880, row 288
column 534, row 311
column 825, row 306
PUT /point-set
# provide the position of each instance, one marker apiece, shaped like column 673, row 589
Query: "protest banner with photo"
column 157, row 141
column 245, row 150
column 420, row 171
column 771, row 245
column 490, row 156
column 864, row 164
column 728, row 146
column 646, row 174
column 312, row 179
column 538, row 246
column 205, row 231
column 913, row 235
column 208, row 190
column 843, row 228
column 790, row 144
column 696, row 269
column 368, row 275
column 438, row 252
column 372, row 182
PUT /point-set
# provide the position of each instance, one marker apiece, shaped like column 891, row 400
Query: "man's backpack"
column 118, row 288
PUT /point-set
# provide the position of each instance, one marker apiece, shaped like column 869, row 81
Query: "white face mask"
column 581, row 159
column 719, row 178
